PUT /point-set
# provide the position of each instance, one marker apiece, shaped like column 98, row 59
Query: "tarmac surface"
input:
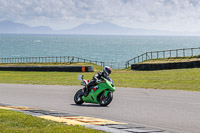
column 169, row 110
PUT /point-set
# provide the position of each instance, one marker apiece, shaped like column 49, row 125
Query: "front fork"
column 106, row 92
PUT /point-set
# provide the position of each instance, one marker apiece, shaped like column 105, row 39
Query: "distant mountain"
column 8, row 26
column 106, row 28
column 102, row 28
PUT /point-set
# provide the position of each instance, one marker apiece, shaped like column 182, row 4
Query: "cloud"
column 174, row 15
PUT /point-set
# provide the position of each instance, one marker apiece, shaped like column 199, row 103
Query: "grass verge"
column 177, row 79
column 13, row 122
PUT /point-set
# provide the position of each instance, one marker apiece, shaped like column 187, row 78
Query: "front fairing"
column 109, row 85
column 93, row 95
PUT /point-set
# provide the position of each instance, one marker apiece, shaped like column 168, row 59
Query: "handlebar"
column 101, row 81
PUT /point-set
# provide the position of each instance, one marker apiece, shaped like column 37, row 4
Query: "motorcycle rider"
column 97, row 77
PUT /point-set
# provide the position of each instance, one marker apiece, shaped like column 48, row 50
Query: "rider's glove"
column 98, row 80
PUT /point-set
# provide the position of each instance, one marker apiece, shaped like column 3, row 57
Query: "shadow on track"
column 89, row 105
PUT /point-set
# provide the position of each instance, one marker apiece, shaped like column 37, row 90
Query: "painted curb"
column 89, row 122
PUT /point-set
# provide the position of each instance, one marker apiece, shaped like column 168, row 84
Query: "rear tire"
column 104, row 101
column 78, row 97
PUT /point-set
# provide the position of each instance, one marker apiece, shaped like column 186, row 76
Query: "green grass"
column 177, row 79
column 16, row 122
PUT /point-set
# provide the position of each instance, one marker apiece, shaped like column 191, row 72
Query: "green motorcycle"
column 101, row 94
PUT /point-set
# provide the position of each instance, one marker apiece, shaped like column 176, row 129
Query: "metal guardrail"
column 164, row 54
column 57, row 59
column 115, row 65
column 60, row 59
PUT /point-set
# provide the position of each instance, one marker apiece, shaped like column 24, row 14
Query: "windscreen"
column 109, row 79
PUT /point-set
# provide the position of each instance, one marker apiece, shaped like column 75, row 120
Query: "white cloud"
column 175, row 15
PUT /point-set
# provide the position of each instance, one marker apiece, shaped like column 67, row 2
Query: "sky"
column 170, row 15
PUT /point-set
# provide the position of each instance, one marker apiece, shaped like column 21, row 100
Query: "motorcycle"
column 101, row 94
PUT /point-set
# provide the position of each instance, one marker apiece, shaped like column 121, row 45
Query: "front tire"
column 104, row 101
column 78, row 97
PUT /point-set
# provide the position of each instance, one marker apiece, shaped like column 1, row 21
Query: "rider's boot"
column 86, row 90
column 87, row 87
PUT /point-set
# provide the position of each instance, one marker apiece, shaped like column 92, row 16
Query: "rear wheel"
column 78, row 97
column 104, row 101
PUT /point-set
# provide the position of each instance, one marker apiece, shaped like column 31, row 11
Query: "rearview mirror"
column 80, row 77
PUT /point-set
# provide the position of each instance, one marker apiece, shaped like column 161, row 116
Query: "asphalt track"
column 170, row 110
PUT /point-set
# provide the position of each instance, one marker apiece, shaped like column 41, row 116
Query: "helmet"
column 107, row 70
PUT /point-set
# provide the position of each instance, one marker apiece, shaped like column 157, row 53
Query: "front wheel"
column 78, row 97
column 104, row 101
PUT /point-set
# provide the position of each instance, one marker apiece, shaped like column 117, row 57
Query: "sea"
column 94, row 47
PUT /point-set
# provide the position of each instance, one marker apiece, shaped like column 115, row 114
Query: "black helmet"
column 107, row 70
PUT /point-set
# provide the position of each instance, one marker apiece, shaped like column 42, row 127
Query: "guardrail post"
column 192, row 51
column 157, row 54
column 142, row 57
column 146, row 55
column 163, row 54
